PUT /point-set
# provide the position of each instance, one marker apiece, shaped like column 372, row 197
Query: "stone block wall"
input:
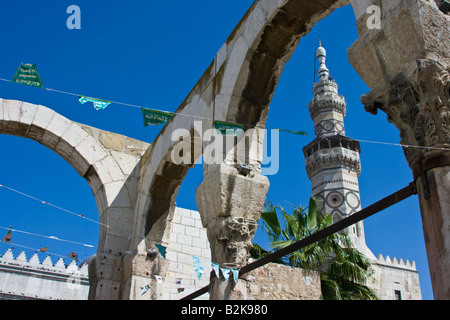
column 22, row 278
column 279, row 282
column 185, row 237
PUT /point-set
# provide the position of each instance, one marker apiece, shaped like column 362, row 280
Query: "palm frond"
column 330, row 289
column 344, row 270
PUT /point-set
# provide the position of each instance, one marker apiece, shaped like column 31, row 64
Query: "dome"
column 323, row 71
column 88, row 260
column 321, row 52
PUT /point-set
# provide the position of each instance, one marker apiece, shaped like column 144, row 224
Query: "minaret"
column 332, row 159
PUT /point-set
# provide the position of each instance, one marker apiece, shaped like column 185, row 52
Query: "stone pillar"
column 139, row 270
column 230, row 202
column 406, row 63
column 105, row 277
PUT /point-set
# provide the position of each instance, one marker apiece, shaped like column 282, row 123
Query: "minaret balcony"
column 331, row 152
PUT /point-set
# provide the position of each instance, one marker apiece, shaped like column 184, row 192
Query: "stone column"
column 230, row 201
column 407, row 63
column 139, row 270
column 105, row 277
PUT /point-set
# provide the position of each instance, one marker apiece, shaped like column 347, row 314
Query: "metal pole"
column 338, row 226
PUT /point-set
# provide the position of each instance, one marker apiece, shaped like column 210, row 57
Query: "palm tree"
column 344, row 270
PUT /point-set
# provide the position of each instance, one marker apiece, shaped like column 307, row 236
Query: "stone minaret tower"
column 332, row 159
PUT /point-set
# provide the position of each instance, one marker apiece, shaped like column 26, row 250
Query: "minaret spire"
column 332, row 159
column 321, row 54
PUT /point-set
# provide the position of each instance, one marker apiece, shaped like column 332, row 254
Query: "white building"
column 30, row 279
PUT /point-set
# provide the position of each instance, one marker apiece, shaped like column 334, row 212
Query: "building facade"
column 30, row 279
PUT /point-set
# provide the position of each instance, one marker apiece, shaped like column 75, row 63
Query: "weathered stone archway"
column 135, row 187
column 110, row 164
column 237, row 87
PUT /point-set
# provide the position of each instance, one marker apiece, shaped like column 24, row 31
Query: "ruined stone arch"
column 237, row 87
column 77, row 144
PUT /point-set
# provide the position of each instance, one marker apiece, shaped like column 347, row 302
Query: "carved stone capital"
column 418, row 105
column 231, row 240
column 230, row 203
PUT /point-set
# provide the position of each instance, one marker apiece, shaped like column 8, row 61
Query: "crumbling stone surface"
column 279, row 282
column 406, row 64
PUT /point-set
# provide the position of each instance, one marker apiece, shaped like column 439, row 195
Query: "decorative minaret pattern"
column 332, row 159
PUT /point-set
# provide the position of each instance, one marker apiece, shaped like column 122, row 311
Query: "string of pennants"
column 27, row 74
column 8, row 239
column 198, row 268
column 199, row 271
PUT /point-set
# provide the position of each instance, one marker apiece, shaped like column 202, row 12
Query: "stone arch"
column 96, row 155
column 237, row 87
column 79, row 148
column 159, row 200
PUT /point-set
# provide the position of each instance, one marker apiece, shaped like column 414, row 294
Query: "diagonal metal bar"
column 336, row 227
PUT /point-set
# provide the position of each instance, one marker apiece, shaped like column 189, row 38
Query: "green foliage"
column 344, row 270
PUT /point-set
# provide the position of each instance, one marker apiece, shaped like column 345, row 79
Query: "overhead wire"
column 48, row 237
column 181, row 114
column 36, row 250
column 210, row 119
column 52, row 205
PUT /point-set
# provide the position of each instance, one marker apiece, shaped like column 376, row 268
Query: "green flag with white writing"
column 226, row 128
column 300, row 133
column 98, row 104
column 155, row 117
column 28, row 75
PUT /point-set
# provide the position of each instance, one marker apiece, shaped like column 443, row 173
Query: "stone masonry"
column 135, row 184
column 406, row 65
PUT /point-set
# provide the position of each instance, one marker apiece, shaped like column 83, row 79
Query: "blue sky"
column 151, row 53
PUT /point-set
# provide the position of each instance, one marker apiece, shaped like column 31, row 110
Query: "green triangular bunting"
column 98, row 104
column 300, row 133
column 155, row 117
column 228, row 127
column 28, row 75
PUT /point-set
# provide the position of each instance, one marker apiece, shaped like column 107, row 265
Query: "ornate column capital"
column 230, row 204
column 418, row 105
